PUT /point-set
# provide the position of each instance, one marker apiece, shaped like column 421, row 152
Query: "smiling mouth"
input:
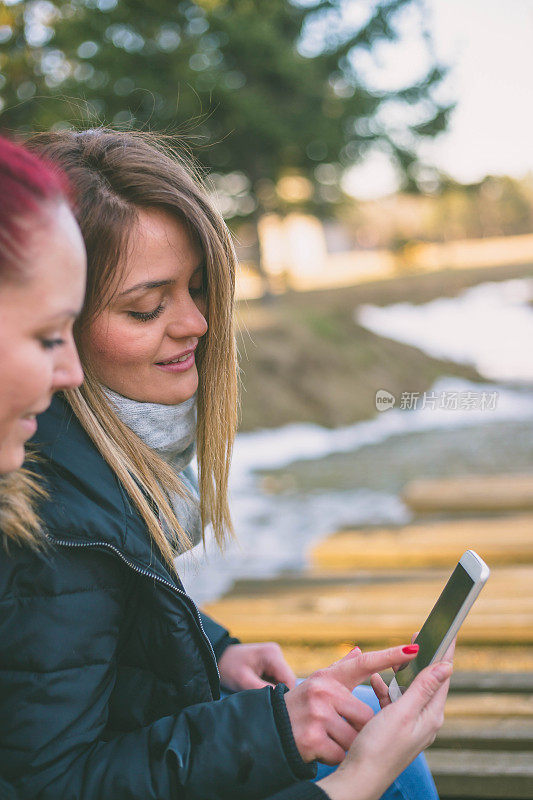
column 175, row 360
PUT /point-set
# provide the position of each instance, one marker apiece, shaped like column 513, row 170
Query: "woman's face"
column 142, row 345
column 37, row 352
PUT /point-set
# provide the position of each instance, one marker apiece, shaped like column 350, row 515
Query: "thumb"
column 425, row 686
column 283, row 674
column 250, row 680
column 276, row 668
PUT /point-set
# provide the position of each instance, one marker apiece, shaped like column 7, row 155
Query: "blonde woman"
column 42, row 281
column 125, row 671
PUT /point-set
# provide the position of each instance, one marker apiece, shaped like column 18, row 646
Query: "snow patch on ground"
column 489, row 326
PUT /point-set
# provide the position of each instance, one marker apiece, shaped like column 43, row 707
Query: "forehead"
column 161, row 247
column 55, row 254
column 54, row 268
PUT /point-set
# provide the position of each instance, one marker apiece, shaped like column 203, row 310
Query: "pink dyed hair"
column 27, row 186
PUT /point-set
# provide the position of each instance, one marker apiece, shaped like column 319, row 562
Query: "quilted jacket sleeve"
column 6, row 791
column 219, row 637
column 57, row 663
column 306, row 790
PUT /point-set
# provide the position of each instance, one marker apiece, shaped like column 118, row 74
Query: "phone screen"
column 437, row 624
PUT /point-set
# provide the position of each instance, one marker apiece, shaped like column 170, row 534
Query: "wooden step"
column 486, row 733
column 477, row 705
column 476, row 774
column 320, row 580
column 495, row 682
column 470, row 493
column 500, row 541
column 385, row 612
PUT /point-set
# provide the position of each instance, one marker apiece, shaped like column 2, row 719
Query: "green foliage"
column 257, row 89
column 325, row 324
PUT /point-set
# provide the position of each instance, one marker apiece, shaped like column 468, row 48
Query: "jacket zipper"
column 146, row 573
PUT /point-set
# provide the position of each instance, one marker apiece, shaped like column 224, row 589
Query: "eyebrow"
column 67, row 314
column 147, row 285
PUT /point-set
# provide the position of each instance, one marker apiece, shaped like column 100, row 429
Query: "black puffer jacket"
column 109, row 685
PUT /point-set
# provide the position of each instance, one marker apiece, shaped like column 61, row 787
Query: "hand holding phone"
column 445, row 619
column 391, row 739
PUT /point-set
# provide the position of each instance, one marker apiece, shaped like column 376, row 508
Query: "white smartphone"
column 445, row 619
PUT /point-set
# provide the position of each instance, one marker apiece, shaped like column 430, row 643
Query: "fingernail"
column 410, row 649
column 442, row 671
column 355, row 650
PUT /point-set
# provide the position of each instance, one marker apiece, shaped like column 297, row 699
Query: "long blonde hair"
column 114, row 175
column 19, row 521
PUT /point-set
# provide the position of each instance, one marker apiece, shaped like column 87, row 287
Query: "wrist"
column 303, row 770
column 350, row 783
column 338, row 788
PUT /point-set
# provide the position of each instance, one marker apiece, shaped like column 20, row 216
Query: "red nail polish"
column 410, row 649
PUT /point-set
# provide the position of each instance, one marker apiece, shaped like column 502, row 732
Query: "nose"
column 188, row 321
column 68, row 372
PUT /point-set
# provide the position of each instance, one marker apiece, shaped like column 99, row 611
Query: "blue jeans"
column 414, row 783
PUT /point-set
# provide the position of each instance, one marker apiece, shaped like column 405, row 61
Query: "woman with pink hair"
column 42, row 284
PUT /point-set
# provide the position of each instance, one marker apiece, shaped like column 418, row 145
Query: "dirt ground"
column 303, row 358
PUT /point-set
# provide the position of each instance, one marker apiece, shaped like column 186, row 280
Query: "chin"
column 175, row 399
column 11, row 457
column 172, row 395
column 179, row 393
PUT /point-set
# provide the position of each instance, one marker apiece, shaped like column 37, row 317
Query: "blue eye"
column 49, row 344
column 145, row 316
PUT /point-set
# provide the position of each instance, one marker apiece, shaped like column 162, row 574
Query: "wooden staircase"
column 374, row 587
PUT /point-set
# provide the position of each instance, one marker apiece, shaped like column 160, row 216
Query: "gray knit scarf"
column 171, row 432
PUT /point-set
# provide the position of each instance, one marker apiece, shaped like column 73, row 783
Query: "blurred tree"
column 498, row 205
column 271, row 96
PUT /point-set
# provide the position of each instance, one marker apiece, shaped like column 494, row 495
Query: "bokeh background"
column 374, row 160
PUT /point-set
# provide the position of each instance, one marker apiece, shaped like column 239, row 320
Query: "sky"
column 489, row 46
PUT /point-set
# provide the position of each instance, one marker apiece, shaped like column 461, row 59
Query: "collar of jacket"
column 87, row 504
